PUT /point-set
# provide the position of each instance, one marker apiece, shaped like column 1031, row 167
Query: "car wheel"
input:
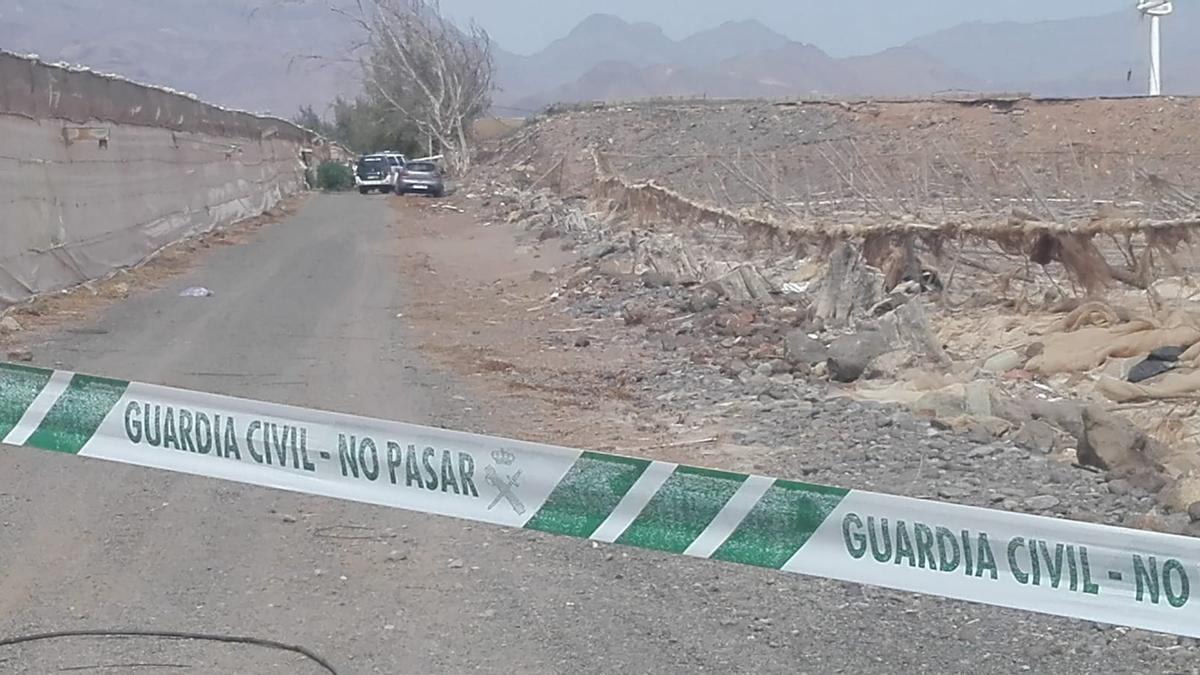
column 363, row 190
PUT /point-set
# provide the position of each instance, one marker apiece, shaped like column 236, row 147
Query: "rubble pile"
column 821, row 368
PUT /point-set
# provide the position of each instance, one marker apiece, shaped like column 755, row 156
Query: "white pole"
column 1155, row 57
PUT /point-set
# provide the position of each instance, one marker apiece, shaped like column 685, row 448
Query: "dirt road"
column 307, row 314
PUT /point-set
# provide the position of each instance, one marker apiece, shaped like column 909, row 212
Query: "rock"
column 1065, row 415
column 1036, row 435
column 849, row 355
column 634, row 313
column 889, row 365
column 764, row 369
column 738, row 324
column 978, row 399
column 1177, row 523
column 1148, row 369
column 1193, row 512
column 941, row 404
column 909, row 328
column 1003, row 362
column 703, row 299
column 780, row 392
column 1152, row 522
column 601, row 249
column 758, row 384
column 734, row 367
column 652, row 279
column 1042, row 502
column 1167, row 353
column 580, row 277
column 583, row 341
column 1109, row 442
column 983, row 451
column 1146, row 479
column 780, row 367
column 981, row 430
column 1009, row 409
column 23, row 355
column 1119, row 486
column 9, row 325
column 799, row 348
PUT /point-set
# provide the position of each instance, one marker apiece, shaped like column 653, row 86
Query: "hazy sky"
column 840, row 27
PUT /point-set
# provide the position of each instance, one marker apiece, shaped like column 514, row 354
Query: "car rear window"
column 424, row 167
column 372, row 163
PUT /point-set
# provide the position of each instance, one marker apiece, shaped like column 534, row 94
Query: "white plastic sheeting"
column 90, row 186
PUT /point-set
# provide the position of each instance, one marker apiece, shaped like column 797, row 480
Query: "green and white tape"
column 1082, row 570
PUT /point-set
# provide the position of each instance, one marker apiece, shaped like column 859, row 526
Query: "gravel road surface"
column 306, row 314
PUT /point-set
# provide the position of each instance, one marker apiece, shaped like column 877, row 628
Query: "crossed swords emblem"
column 504, row 485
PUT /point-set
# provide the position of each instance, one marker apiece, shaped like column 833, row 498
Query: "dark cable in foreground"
column 172, row 635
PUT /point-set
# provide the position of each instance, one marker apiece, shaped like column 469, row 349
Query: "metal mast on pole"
column 1156, row 10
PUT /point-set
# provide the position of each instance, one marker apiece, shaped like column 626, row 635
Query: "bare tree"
column 428, row 70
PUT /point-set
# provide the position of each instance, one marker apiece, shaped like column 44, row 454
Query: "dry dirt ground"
column 483, row 309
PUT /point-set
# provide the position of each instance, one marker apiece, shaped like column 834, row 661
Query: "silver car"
column 421, row 178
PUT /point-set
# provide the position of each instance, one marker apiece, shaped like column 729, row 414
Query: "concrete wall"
column 97, row 173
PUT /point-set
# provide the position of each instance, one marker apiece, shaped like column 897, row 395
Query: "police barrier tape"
column 1107, row 574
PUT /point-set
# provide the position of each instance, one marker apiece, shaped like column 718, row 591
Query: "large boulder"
column 1110, row 442
column 850, row 355
column 800, row 349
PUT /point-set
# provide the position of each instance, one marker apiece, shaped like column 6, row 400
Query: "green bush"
column 334, row 176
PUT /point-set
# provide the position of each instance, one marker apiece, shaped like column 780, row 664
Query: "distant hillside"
column 1103, row 55
column 793, row 69
column 224, row 51
column 602, row 41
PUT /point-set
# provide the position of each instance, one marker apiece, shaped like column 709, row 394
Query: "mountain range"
column 607, row 58
column 272, row 55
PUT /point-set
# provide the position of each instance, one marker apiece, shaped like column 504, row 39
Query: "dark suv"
column 421, row 178
column 375, row 172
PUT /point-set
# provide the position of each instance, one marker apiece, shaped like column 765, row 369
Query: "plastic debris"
column 196, row 292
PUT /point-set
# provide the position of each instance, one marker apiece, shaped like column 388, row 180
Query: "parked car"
column 376, row 172
column 422, row 178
